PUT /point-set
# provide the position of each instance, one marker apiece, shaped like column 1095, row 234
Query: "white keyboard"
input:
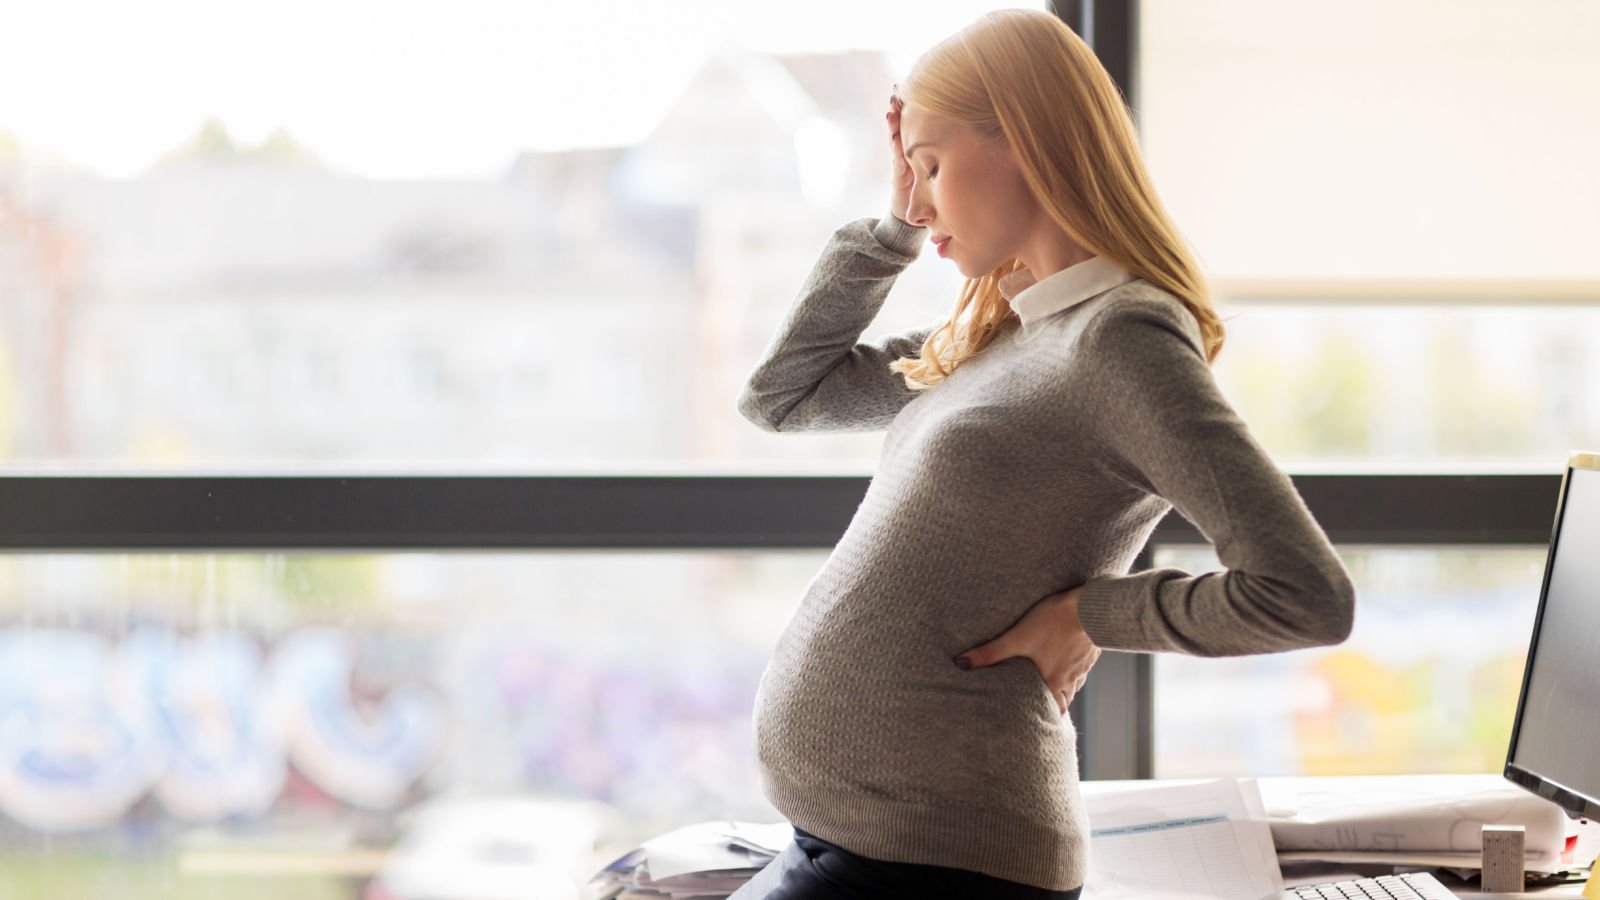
column 1410, row 886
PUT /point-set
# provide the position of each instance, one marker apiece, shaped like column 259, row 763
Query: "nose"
column 919, row 211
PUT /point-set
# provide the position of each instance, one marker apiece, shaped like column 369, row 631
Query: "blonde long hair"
column 1025, row 76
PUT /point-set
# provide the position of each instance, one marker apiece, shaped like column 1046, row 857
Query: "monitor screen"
column 1555, row 741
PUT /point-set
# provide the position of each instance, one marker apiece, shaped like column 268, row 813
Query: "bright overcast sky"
column 397, row 87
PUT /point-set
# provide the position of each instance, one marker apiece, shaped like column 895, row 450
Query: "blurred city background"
column 554, row 238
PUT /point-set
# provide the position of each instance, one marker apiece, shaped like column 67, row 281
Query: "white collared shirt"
column 1035, row 301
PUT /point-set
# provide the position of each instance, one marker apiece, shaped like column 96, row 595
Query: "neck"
column 1052, row 250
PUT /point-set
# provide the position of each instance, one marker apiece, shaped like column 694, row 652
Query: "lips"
column 940, row 243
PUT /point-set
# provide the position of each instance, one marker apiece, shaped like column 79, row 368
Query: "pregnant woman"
column 912, row 724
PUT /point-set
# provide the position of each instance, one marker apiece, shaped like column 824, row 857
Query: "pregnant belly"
column 913, row 730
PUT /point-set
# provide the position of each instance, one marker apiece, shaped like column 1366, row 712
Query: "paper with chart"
column 1206, row 841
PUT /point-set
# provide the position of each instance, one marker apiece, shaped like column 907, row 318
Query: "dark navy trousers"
column 830, row 872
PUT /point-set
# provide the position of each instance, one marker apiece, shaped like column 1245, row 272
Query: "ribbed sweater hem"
column 998, row 844
column 898, row 236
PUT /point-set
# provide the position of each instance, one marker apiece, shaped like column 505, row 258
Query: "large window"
column 554, row 238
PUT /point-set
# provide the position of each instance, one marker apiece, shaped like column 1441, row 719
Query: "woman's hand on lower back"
column 1050, row 635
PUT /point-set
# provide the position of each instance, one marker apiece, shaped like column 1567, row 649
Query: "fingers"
column 901, row 179
column 1064, row 698
column 1050, row 636
column 1063, row 687
column 984, row 655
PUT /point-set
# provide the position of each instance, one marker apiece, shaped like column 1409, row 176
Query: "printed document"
column 1205, row 841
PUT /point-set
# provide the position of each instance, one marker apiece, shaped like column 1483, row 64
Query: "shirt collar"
column 1035, row 301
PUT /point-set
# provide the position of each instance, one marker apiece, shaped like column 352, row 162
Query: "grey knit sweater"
column 1041, row 464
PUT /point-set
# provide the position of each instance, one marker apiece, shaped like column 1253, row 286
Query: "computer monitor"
column 1555, row 738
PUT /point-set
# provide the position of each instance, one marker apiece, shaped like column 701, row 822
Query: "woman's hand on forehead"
column 901, row 178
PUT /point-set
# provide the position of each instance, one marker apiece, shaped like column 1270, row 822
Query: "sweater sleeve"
column 1169, row 430
column 817, row 375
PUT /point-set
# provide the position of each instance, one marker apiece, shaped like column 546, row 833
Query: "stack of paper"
column 1432, row 820
column 708, row 861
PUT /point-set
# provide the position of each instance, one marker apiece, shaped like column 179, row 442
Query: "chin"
column 968, row 270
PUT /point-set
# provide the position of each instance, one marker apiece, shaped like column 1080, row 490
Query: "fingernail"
column 963, row 663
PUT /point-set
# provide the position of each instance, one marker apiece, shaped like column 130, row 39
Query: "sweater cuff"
column 898, row 236
column 1109, row 616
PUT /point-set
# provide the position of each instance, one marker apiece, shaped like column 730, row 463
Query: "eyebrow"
column 913, row 148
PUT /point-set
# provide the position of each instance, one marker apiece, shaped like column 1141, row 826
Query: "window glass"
column 1427, row 681
column 552, row 235
column 1415, row 387
column 1405, row 193
column 1432, row 139
column 343, row 726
